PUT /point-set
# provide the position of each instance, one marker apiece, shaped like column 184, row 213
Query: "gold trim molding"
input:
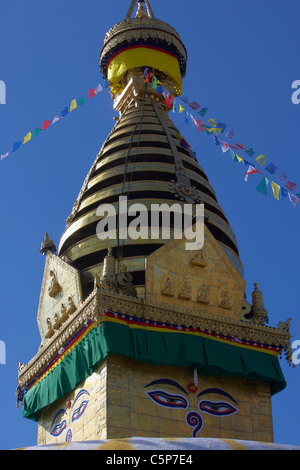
column 100, row 301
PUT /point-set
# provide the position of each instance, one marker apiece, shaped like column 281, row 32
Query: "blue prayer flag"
column 221, row 125
column 65, row 112
column 203, row 111
column 250, row 152
column 16, row 145
column 271, row 168
column 283, row 193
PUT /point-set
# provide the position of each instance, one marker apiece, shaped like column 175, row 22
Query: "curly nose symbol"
column 195, row 421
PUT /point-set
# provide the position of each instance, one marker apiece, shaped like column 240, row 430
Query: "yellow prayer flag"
column 73, row 105
column 239, row 158
column 261, row 159
column 27, row 137
column 212, row 122
column 216, row 131
column 181, row 108
column 276, row 190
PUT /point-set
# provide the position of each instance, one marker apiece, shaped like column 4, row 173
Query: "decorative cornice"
column 143, row 29
column 100, row 301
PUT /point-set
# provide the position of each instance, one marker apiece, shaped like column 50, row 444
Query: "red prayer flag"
column 252, row 171
column 92, row 93
column 46, row 124
column 199, row 125
column 195, row 106
column 169, row 101
column 291, row 186
column 148, row 77
column 241, row 146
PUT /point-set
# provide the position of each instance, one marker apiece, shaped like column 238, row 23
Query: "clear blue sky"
column 243, row 56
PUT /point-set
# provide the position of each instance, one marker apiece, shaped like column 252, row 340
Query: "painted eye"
column 58, row 429
column 217, row 408
column 163, row 398
column 80, row 410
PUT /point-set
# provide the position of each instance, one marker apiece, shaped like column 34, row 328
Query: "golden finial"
column 141, row 12
column 47, row 245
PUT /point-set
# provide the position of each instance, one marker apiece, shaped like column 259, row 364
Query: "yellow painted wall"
column 119, row 406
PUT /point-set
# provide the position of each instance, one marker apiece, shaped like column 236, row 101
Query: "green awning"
column 153, row 346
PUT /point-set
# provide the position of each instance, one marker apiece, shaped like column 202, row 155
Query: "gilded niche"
column 71, row 306
column 65, row 313
column 168, row 288
column 50, row 331
column 54, row 287
column 203, row 294
column 224, row 299
column 185, row 291
column 199, row 258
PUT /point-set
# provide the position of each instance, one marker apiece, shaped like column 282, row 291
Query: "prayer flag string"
column 215, row 129
column 68, row 109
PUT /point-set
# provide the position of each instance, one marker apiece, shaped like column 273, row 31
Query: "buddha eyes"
column 217, row 408
column 213, row 408
column 58, row 429
column 59, row 423
column 80, row 410
column 167, row 399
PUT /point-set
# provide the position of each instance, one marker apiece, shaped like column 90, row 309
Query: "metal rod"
column 130, row 11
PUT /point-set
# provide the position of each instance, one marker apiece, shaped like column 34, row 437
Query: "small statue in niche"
column 124, row 279
column 64, row 315
column 199, row 258
column 57, row 323
column 185, row 291
column 50, row 331
column 203, row 294
column 71, row 306
column 168, row 288
column 54, row 286
column 224, row 301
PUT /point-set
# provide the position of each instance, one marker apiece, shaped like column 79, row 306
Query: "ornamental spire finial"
column 141, row 12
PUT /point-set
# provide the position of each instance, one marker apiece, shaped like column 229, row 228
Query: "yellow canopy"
column 144, row 57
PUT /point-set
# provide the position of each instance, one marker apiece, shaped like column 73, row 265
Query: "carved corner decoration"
column 125, row 284
column 110, row 282
column 60, row 295
column 260, row 314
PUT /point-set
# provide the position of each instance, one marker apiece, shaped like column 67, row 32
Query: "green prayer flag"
column 37, row 131
column 234, row 157
column 263, row 186
column 81, row 101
